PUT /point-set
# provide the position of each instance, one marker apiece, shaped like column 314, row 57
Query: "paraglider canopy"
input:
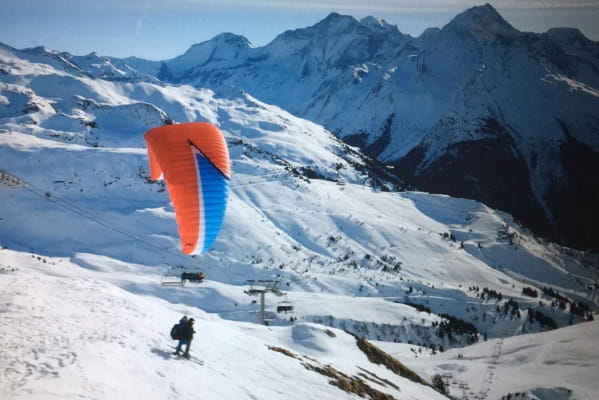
column 194, row 161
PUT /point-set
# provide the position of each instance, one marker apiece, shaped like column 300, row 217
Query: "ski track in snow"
column 40, row 344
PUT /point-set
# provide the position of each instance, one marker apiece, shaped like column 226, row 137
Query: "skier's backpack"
column 176, row 332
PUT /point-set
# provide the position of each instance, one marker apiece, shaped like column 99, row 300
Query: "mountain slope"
column 509, row 367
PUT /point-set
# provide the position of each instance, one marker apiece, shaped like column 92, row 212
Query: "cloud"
column 144, row 14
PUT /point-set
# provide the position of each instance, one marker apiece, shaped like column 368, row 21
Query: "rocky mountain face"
column 521, row 132
column 476, row 109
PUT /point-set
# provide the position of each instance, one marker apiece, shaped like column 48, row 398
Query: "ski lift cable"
column 83, row 213
column 250, row 177
column 250, row 184
column 257, row 177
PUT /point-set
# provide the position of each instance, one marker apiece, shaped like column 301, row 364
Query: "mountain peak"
column 39, row 50
column 485, row 12
column 222, row 48
column 483, row 23
column 378, row 25
column 221, row 42
column 232, row 40
column 337, row 22
column 334, row 16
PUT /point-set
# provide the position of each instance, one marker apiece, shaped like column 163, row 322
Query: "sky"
column 163, row 29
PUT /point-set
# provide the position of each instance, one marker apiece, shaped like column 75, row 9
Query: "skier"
column 186, row 332
column 177, row 332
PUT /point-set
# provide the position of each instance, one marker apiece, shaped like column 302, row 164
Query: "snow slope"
column 559, row 364
column 90, row 238
column 68, row 332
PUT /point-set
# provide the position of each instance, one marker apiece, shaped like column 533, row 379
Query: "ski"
column 190, row 358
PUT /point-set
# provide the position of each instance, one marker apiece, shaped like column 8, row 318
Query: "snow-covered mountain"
column 476, row 109
column 444, row 107
column 86, row 239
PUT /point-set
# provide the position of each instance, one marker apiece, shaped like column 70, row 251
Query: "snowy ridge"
column 350, row 249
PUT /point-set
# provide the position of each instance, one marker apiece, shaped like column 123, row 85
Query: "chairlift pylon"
column 260, row 288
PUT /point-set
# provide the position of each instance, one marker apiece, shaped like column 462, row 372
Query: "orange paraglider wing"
column 194, row 161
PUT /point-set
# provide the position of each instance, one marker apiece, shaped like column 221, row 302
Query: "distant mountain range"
column 476, row 109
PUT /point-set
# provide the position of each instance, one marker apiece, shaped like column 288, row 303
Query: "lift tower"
column 260, row 288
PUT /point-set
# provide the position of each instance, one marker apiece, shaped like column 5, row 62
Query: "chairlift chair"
column 284, row 306
column 172, row 277
column 171, row 280
column 180, row 275
column 194, row 277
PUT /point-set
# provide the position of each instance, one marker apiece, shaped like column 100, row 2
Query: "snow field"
column 69, row 333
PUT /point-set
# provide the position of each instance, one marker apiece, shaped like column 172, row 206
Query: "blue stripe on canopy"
column 214, row 187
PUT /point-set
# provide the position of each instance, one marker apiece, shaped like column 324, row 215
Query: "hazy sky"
column 163, row 29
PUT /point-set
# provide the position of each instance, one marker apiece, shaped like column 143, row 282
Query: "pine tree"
column 438, row 384
column 165, row 73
